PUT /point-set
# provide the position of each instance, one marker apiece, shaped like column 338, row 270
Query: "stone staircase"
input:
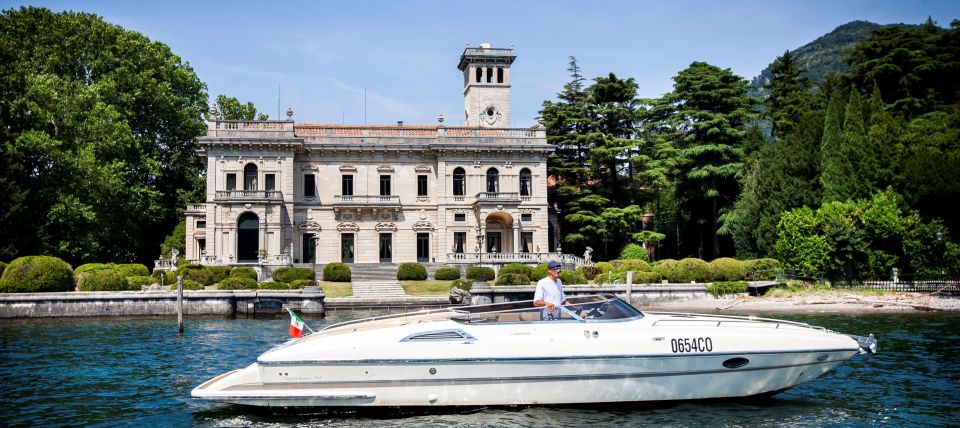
column 378, row 289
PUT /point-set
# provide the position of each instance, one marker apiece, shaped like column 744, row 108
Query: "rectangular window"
column 309, row 186
column 346, row 248
column 385, row 185
column 346, row 185
column 526, row 217
column 421, row 185
column 201, row 224
column 459, row 241
column 493, row 242
column 526, row 242
column 270, row 182
column 386, row 248
column 459, row 217
column 231, row 181
column 202, row 246
column 423, row 247
column 309, row 248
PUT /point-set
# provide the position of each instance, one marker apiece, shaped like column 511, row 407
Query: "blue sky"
column 403, row 54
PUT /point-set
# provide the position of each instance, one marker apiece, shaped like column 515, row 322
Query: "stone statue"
column 174, row 254
column 587, row 255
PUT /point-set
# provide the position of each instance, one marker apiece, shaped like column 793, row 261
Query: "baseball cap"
column 553, row 264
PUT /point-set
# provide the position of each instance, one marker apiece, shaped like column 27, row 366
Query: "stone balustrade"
column 367, row 200
column 504, row 258
column 248, row 195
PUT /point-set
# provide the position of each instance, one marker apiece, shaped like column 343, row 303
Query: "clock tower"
column 486, row 86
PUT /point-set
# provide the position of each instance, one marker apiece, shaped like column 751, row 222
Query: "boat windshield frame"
column 592, row 308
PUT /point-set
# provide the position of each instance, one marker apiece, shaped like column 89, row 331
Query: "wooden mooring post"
column 180, row 303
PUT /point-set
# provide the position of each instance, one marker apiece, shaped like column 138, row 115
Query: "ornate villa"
column 283, row 192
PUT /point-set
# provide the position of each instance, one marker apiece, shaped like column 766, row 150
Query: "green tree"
column 230, row 108
column 788, row 96
column 97, row 137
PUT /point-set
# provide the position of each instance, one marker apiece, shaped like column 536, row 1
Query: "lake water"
column 140, row 372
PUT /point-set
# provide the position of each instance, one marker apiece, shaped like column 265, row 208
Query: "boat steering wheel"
column 598, row 311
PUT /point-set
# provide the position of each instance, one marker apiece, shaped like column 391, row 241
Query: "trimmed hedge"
column 568, row 277
column 539, row 272
column 480, row 273
column 102, row 280
column 190, row 285
column 609, row 278
column 513, row 279
column 169, row 277
column 195, row 272
column 273, row 285
column 463, row 284
column 137, row 282
column 87, row 267
column 219, row 273
column 726, row 269
column 690, row 270
column 589, row 272
column 664, row 268
column 244, row 272
column 516, row 268
column 634, row 252
column 32, row 274
column 604, row 266
column 447, row 274
column 721, row 288
column 336, row 272
column 636, row 265
column 289, row 274
column 237, row 283
column 411, row 272
column 300, row 283
column 645, row 277
column 760, row 265
column 132, row 269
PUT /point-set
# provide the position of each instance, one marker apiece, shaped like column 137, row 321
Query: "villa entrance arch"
column 498, row 233
column 248, row 237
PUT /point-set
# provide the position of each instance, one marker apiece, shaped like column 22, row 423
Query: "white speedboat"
column 600, row 350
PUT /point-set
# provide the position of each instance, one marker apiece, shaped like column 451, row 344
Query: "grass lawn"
column 819, row 289
column 430, row 287
column 336, row 289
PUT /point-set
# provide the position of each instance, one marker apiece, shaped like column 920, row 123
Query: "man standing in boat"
column 550, row 292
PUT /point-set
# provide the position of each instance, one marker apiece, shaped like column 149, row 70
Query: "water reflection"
column 140, row 372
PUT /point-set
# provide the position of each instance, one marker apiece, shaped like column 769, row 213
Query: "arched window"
column 490, row 75
column 499, row 75
column 493, row 180
column 459, row 182
column 525, row 182
column 479, row 73
column 250, row 177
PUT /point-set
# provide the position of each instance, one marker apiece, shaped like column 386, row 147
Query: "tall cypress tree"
column 833, row 170
column 788, row 97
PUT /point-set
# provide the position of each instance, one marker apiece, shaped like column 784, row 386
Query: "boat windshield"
column 580, row 309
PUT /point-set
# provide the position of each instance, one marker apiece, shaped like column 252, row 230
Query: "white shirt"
column 550, row 292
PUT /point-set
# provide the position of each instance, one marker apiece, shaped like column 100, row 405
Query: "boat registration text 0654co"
column 691, row 344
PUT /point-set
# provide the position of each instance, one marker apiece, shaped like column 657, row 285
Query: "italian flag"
column 296, row 324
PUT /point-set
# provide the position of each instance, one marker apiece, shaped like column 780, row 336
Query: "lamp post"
column 316, row 243
column 940, row 252
column 479, row 247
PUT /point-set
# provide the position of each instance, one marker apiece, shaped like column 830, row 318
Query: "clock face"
column 491, row 115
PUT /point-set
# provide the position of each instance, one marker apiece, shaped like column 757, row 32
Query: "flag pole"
column 295, row 315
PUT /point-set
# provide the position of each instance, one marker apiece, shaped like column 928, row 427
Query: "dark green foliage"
column 568, row 277
column 645, row 277
column 177, row 239
column 195, row 272
column 463, row 284
column 34, row 274
column 244, row 272
column 513, row 279
column 727, row 269
column 447, row 274
column 97, row 155
column 516, row 268
column 589, row 272
column 219, row 273
column 336, row 272
column 411, row 272
column 132, row 269
column 539, row 272
column 237, row 283
column 168, row 277
column 480, row 273
column 137, row 282
column 189, row 285
column 664, row 268
column 271, row 285
column 788, row 95
column 230, row 108
column 289, row 274
column 301, row 283
column 3, row 266
column 722, row 288
column 634, row 252
column 102, row 280
column 604, row 266
column 88, row 267
column 760, row 265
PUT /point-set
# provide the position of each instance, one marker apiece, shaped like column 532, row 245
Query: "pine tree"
column 788, row 97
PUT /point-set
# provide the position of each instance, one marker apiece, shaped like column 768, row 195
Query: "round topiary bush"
column 218, row 273
column 102, row 280
column 589, row 272
column 604, row 266
column 189, row 285
column 726, row 269
column 760, row 265
column 167, row 277
column 32, row 274
column 463, row 284
column 411, row 272
column 480, row 273
column 336, row 272
column 636, row 264
column 539, row 272
column 634, row 252
column 137, row 282
column 195, row 272
column 447, row 274
column 645, row 277
column 572, row 278
column 690, row 270
column 300, row 283
column 237, row 283
column 612, row 277
column 273, row 285
column 516, row 268
column 244, row 272
column 513, row 279
column 289, row 274
column 132, row 269
column 87, row 267
column 664, row 268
